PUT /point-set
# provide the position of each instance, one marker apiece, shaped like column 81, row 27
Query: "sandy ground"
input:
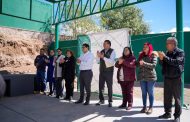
column 159, row 94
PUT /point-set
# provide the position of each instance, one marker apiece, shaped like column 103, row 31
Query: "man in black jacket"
column 172, row 68
column 40, row 62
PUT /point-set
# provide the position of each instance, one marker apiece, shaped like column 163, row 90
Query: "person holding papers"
column 106, row 58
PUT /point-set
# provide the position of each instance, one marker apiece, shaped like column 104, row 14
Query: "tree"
column 127, row 17
column 81, row 26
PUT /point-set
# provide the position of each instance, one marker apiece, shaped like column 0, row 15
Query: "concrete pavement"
column 41, row 108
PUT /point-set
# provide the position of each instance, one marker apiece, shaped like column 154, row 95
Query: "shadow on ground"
column 41, row 108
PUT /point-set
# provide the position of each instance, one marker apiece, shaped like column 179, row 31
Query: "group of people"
column 58, row 68
column 63, row 67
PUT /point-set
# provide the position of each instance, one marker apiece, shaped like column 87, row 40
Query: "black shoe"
column 79, row 101
column 86, row 103
column 66, row 98
column 50, row 94
column 122, row 106
column 110, row 104
column 57, row 97
column 165, row 116
column 177, row 119
column 143, row 110
column 149, row 111
column 100, row 102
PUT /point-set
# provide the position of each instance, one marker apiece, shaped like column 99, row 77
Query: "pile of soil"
column 18, row 49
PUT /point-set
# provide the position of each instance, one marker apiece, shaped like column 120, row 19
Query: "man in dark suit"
column 106, row 58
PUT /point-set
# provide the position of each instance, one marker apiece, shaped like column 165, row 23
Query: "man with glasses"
column 86, row 63
column 172, row 67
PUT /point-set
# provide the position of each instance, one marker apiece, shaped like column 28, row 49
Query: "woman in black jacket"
column 68, row 66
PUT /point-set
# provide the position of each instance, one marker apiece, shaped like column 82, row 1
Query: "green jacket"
column 147, row 71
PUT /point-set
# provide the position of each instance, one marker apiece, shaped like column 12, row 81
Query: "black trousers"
column 51, row 84
column 108, row 78
column 51, row 87
column 69, row 85
column 85, row 83
column 59, row 87
column 172, row 88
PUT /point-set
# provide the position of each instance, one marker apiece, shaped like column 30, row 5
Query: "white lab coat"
column 58, row 70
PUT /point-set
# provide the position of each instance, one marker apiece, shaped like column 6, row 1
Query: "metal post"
column 53, row 12
column 57, row 29
column 180, row 37
column 56, row 36
column 1, row 6
column 30, row 9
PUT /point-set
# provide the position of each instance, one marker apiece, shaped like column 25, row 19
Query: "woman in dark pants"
column 126, row 76
column 50, row 72
column 69, row 74
column 58, row 73
column 147, row 75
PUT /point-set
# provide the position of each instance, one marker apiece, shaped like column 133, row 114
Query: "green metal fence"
column 26, row 14
column 137, row 41
column 159, row 42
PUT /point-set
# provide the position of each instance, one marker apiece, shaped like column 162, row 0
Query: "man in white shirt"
column 86, row 63
column 106, row 58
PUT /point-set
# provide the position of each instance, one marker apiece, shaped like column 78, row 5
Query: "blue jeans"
column 147, row 87
column 40, row 81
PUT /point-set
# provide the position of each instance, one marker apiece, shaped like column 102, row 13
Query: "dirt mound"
column 18, row 49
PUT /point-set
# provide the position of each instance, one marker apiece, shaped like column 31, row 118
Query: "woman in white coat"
column 58, row 73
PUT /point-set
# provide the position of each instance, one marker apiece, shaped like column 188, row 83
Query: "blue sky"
column 161, row 14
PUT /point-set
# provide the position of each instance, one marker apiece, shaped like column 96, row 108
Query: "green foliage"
column 81, row 26
column 127, row 17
